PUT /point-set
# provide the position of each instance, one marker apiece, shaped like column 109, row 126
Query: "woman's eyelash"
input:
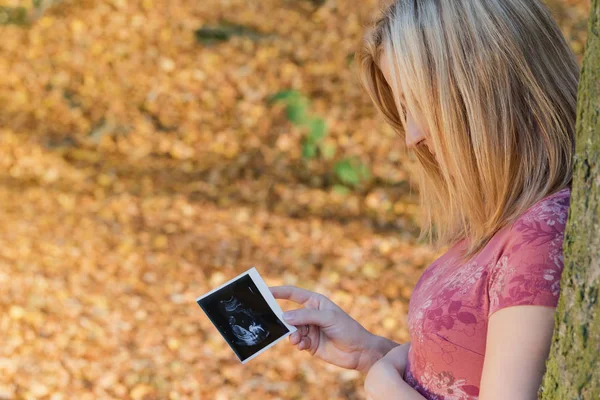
column 403, row 112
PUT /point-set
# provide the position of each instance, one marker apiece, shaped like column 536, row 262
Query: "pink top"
column 452, row 302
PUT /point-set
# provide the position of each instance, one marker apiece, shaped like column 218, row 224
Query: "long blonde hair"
column 496, row 84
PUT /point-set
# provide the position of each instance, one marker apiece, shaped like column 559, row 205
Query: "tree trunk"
column 573, row 368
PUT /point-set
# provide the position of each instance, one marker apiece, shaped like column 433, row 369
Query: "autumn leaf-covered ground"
column 141, row 165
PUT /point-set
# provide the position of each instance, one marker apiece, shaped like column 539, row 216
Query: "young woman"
column 484, row 94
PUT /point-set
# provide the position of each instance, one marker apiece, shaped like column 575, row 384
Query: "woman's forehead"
column 385, row 68
column 387, row 73
column 383, row 63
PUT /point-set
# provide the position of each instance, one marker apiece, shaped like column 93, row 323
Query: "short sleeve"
column 529, row 270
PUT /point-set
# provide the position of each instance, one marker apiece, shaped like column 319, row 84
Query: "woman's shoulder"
column 540, row 229
column 547, row 216
column 552, row 209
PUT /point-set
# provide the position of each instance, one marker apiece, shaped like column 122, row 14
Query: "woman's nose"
column 414, row 134
column 411, row 143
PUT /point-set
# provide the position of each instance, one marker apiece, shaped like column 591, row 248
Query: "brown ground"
column 140, row 168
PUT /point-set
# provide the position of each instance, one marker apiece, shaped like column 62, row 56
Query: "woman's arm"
column 384, row 380
column 517, row 346
column 377, row 347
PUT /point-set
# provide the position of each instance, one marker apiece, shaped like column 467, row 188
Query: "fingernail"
column 288, row 316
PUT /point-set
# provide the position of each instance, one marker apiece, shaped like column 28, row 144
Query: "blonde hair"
column 496, row 84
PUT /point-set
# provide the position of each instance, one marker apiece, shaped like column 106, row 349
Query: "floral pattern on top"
column 452, row 301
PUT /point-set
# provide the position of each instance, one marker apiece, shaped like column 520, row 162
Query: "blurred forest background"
column 153, row 149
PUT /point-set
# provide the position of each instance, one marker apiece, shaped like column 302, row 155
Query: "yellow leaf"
column 173, row 344
column 16, row 312
column 77, row 26
column 147, row 4
column 370, row 270
column 104, row 180
column 140, row 391
column 390, row 323
column 161, row 242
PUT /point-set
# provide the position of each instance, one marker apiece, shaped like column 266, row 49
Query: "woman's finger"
column 304, row 330
column 398, row 357
column 295, row 338
column 303, row 344
column 308, row 343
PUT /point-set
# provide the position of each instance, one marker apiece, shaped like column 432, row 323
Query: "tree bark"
column 573, row 368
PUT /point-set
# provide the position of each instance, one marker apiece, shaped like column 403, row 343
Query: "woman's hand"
column 384, row 380
column 397, row 358
column 327, row 332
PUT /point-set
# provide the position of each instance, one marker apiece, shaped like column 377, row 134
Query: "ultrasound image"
column 243, row 317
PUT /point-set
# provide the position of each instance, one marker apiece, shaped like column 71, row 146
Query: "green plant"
column 13, row 15
column 296, row 107
column 350, row 172
column 24, row 15
column 223, row 31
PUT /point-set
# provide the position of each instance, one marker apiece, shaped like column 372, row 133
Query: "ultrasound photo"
column 245, row 313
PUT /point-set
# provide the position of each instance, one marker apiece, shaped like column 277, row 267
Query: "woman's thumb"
column 303, row 316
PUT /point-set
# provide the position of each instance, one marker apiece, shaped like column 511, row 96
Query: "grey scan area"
column 245, row 325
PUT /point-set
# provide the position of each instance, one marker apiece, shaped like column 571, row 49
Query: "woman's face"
column 415, row 134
